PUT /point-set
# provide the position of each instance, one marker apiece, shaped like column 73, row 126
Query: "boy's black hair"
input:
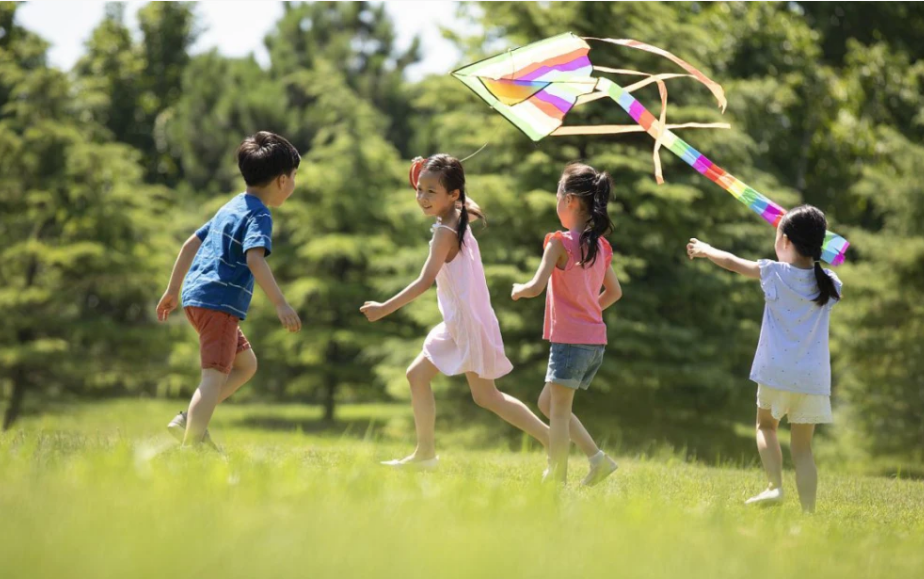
column 264, row 156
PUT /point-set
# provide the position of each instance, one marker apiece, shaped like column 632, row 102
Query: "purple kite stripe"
column 635, row 111
column 557, row 102
column 702, row 164
column 575, row 64
column 771, row 212
column 529, row 83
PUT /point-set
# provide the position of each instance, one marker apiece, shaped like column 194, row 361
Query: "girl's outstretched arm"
column 731, row 262
column 612, row 291
column 554, row 253
column 443, row 242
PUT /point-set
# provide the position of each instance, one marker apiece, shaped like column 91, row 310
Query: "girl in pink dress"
column 575, row 267
column 468, row 341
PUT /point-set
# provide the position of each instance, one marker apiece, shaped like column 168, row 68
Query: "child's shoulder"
column 250, row 203
column 768, row 266
column 558, row 236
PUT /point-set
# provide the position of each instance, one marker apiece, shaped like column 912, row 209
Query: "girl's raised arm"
column 443, row 242
column 729, row 261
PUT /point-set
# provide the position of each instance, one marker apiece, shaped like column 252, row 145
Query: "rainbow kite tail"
column 834, row 246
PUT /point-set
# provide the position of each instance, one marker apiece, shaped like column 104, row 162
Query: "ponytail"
column 594, row 189
column 467, row 207
column 826, row 288
column 805, row 226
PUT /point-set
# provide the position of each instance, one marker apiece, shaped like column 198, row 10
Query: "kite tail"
column 834, row 246
column 714, row 87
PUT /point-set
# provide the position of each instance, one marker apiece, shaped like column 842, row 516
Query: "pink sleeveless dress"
column 469, row 338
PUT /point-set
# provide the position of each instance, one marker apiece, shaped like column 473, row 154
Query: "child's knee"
column 766, row 422
column 485, row 398
column 412, row 375
column 212, row 381
column 560, row 404
column 800, row 449
column 247, row 362
column 544, row 403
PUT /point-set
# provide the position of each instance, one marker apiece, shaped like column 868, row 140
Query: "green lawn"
column 100, row 491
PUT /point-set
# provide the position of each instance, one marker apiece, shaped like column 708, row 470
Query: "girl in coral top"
column 576, row 264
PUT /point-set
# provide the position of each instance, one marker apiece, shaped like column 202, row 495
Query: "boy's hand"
column 288, row 317
column 167, row 304
column 374, row 311
column 697, row 248
column 519, row 291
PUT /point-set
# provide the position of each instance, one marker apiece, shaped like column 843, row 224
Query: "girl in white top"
column 468, row 341
column 792, row 366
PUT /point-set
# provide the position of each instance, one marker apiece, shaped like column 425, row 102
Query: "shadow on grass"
column 358, row 428
column 691, row 438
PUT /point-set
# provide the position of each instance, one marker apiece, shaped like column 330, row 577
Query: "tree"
column 358, row 38
column 79, row 226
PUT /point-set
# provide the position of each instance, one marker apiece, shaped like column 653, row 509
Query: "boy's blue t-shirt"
column 219, row 278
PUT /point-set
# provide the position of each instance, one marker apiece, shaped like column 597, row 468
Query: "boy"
column 223, row 259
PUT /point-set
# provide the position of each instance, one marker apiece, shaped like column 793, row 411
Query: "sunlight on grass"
column 80, row 498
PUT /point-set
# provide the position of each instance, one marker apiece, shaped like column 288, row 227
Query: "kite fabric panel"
column 536, row 86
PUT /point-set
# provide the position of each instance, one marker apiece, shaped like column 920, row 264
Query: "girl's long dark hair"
column 593, row 188
column 452, row 177
column 805, row 226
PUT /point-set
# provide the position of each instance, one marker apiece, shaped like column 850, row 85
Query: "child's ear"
column 454, row 194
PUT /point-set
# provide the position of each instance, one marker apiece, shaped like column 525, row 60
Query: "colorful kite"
column 536, row 85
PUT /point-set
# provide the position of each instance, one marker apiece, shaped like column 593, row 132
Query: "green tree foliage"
column 79, row 253
column 356, row 38
column 825, row 101
column 130, row 87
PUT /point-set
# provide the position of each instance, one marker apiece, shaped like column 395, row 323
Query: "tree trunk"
column 15, row 405
column 330, row 389
column 19, row 383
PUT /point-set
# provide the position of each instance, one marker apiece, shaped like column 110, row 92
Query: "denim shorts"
column 574, row 365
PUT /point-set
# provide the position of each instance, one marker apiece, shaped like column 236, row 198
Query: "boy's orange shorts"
column 220, row 337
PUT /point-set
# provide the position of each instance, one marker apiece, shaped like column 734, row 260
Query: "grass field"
column 100, row 491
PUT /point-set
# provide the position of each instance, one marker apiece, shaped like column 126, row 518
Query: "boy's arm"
column 554, row 252
column 612, row 291
column 262, row 273
column 729, row 261
column 171, row 298
column 443, row 242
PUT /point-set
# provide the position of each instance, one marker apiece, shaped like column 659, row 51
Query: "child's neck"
column 260, row 193
column 580, row 223
column 450, row 217
column 801, row 262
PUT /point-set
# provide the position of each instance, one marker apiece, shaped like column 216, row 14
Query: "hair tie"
column 416, row 168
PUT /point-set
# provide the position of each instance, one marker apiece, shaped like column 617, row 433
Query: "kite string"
column 475, row 153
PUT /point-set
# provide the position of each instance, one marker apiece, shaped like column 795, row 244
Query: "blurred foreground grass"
column 101, row 491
